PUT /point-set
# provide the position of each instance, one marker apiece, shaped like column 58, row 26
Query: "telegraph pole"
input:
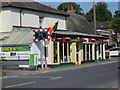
column 94, row 15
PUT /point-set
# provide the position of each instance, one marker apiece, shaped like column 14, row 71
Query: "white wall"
column 11, row 17
column 38, row 48
column 30, row 19
column 15, row 17
column 35, row 49
column 51, row 19
column 6, row 20
column 0, row 19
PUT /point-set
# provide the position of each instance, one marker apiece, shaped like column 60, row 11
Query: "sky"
column 76, row 0
column 86, row 6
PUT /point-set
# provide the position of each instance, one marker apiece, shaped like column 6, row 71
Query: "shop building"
column 63, row 47
column 73, row 42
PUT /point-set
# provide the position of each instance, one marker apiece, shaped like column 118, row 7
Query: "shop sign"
column 10, row 49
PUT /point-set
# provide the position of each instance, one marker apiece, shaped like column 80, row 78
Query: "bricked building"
column 104, row 30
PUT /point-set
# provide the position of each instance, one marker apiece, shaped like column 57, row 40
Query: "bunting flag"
column 89, row 39
column 53, row 28
column 100, row 40
column 81, row 38
column 86, row 39
column 63, row 39
column 113, row 32
column 53, row 39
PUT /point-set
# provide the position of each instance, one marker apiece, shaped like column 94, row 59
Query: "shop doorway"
column 96, row 51
column 77, row 51
column 87, row 51
column 55, row 53
column 65, row 52
column 100, row 49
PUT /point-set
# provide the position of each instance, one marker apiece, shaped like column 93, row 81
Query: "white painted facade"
column 10, row 17
column 0, row 19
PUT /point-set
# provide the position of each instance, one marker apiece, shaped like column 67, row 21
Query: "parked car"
column 114, row 51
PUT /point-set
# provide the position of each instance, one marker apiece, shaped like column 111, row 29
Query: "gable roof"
column 34, row 6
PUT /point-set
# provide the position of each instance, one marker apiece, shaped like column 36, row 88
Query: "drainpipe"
column 21, row 18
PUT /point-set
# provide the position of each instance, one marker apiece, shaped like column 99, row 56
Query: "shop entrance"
column 96, row 51
column 87, row 50
column 65, row 52
column 100, row 49
column 55, row 53
column 77, row 51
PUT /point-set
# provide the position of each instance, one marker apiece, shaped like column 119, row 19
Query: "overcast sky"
column 76, row 0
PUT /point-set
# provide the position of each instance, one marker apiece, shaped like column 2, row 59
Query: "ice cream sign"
column 10, row 49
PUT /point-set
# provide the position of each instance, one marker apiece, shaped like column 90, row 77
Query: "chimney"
column 49, row 6
column 70, row 9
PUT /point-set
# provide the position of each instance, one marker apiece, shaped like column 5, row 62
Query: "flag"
column 113, row 33
column 100, row 40
column 89, row 39
column 53, row 28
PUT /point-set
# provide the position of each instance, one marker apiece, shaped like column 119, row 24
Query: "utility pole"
column 94, row 15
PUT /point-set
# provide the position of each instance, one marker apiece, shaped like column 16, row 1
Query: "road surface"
column 96, row 76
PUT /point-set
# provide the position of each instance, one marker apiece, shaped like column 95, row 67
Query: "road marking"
column 19, row 84
column 55, row 78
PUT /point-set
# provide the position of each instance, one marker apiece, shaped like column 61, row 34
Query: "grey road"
column 104, row 75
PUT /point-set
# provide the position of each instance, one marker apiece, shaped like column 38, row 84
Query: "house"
column 74, row 41
column 104, row 30
column 31, row 15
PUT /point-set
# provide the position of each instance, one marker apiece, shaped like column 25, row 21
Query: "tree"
column 117, row 14
column 64, row 7
column 115, row 24
column 102, row 13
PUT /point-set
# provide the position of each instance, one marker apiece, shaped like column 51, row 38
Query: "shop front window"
column 61, row 52
column 55, row 53
column 65, row 52
column 96, row 50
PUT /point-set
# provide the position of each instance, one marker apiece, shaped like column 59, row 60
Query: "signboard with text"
column 10, row 49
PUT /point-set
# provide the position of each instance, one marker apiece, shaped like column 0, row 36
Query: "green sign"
column 9, row 49
column 31, row 60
